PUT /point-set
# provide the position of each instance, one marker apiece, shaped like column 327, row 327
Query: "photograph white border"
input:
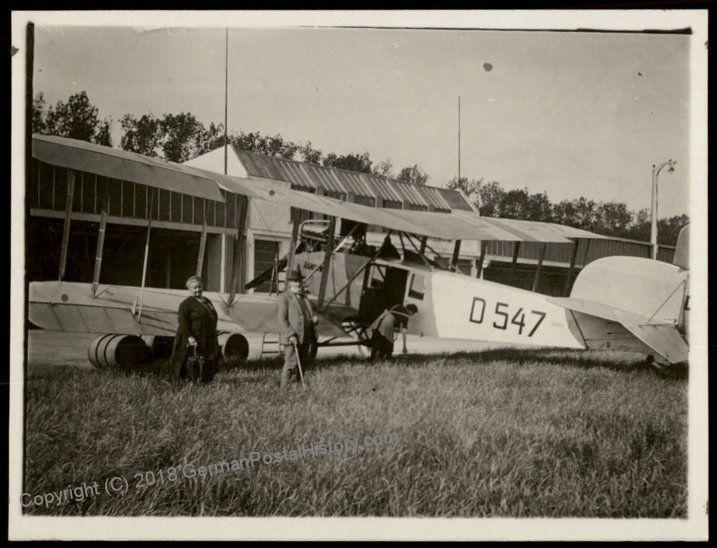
column 695, row 527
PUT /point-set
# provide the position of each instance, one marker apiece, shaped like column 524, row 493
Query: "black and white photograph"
column 372, row 275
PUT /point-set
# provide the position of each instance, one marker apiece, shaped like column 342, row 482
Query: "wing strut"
column 481, row 259
column 456, row 253
column 569, row 277
column 66, row 225
column 98, row 254
column 202, row 248
column 516, row 250
column 146, row 254
column 541, row 256
column 292, row 243
column 327, row 261
column 421, row 251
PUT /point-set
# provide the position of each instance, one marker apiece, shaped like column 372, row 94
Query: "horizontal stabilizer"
column 664, row 339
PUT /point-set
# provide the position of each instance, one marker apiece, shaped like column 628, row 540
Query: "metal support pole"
column 568, row 280
column 403, row 246
column 653, row 219
column 516, row 249
column 66, row 225
column 98, row 254
column 237, row 282
column 424, row 242
column 327, row 261
column 481, row 259
column 421, row 252
column 536, row 280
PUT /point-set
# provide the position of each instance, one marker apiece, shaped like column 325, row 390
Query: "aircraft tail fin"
column 650, row 291
column 632, row 304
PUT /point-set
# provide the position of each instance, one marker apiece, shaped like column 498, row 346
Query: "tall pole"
column 653, row 225
column 653, row 220
column 459, row 138
column 226, row 95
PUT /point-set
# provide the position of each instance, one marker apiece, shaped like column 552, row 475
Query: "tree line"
column 181, row 137
column 610, row 218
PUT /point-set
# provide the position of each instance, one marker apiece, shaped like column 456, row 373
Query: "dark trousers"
column 290, row 372
column 381, row 347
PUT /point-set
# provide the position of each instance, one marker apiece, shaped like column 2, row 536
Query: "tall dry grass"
column 503, row 433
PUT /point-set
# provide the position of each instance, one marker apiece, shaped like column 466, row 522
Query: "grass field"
column 500, row 433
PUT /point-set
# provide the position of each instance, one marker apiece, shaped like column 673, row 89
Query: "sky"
column 571, row 114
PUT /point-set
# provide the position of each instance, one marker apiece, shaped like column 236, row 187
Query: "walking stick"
column 298, row 361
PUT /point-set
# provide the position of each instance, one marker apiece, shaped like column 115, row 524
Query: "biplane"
column 616, row 303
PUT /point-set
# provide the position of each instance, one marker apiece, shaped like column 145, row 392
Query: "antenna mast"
column 459, row 138
column 226, row 95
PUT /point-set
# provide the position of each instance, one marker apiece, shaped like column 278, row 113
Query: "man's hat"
column 295, row 276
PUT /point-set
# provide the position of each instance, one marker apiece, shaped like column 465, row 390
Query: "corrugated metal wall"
column 588, row 250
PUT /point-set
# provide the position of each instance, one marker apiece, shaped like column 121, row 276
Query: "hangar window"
column 175, row 202
column 46, row 174
column 209, row 212
column 231, row 210
column 127, row 199
column 115, row 190
column 266, row 254
column 164, row 205
column 77, row 195
column 60, row 187
column 187, row 209
column 391, row 204
column 103, row 197
column 198, row 211
column 140, row 202
column 88, row 181
column 417, row 289
column 220, row 210
column 365, row 200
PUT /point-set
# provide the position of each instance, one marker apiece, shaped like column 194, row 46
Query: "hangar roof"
column 307, row 176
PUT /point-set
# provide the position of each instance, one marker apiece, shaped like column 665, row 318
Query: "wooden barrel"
column 122, row 351
column 234, row 347
column 160, row 346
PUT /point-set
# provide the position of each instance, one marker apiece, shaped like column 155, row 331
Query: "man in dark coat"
column 383, row 330
column 297, row 324
column 197, row 332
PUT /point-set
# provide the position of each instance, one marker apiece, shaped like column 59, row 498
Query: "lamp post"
column 653, row 228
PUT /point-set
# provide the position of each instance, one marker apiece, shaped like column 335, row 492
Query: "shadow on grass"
column 625, row 362
column 622, row 362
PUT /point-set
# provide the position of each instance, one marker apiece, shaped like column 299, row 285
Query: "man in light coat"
column 297, row 323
